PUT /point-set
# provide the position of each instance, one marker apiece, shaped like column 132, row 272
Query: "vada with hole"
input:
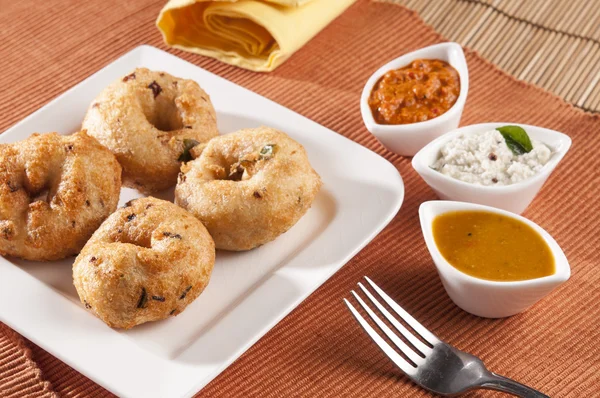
column 148, row 261
column 55, row 191
column 150, row 120
column 248, row 187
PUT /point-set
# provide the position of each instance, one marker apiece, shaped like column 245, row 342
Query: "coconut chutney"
column 485, row 159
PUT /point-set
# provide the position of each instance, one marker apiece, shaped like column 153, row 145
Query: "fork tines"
column 419, row 350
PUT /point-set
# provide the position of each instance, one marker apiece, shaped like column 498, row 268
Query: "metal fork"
column 436, row 366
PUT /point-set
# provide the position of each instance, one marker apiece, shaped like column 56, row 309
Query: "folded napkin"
column 252, row 34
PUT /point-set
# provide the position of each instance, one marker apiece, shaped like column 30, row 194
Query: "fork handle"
column 501, row 383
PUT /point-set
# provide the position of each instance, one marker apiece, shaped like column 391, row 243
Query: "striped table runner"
column 554, row 44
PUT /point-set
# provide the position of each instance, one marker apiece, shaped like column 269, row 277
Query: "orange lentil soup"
column 423, row 90
column 492, row 246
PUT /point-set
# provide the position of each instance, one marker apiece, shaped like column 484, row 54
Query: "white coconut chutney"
column 485, row 159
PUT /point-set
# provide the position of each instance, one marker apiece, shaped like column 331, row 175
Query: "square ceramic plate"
column 248, row 293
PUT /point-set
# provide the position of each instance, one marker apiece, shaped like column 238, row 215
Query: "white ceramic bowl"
column 407, row 139
column 482, row 297
column 514, row 197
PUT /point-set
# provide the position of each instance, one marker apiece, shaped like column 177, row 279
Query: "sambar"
column 492, row 246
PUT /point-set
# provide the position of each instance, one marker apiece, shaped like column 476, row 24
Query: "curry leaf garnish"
column 188, row 144
column 268, row 151
column 516, row 139
column 171, row 235
column 185, row 292
column 156, row 88
column 143, row 299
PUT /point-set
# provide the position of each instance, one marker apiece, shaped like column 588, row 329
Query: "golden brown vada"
column 55, row 191
column 248, row 187
column 150, row 120
column 146, row 262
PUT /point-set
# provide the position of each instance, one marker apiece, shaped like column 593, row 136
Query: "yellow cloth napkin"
column 253, row 34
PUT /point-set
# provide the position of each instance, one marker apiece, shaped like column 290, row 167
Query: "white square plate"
column 248, row 293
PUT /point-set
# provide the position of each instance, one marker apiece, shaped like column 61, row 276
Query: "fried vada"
column 248, row 187
column 55, row 191
column 147, row 261
column 150, row 120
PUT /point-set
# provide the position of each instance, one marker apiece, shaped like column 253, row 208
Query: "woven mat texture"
column 318, row 350
column 554, row 44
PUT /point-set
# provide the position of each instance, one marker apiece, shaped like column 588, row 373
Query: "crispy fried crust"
column 248, row 187
column 146, row 119
column 147, row 261
column 55, row 191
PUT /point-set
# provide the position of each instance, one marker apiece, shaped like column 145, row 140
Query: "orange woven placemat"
column 318, row 349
